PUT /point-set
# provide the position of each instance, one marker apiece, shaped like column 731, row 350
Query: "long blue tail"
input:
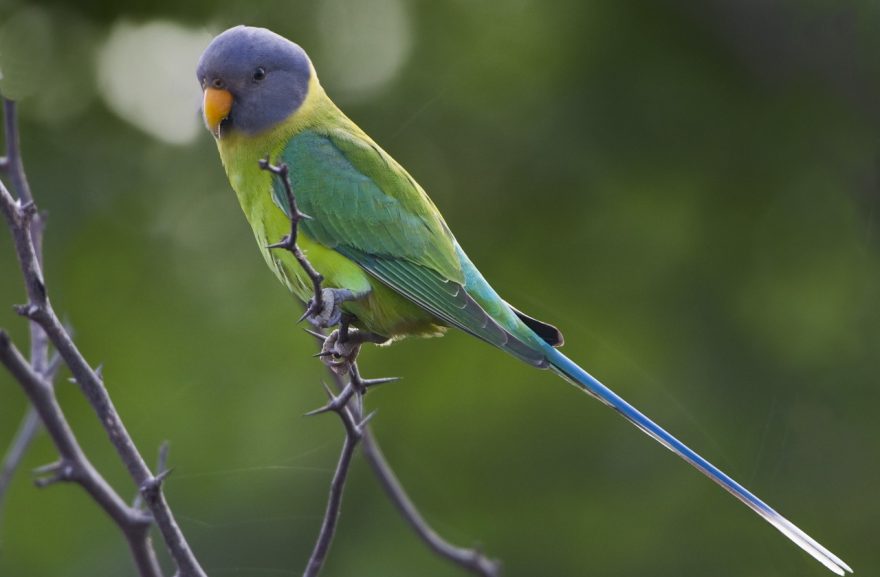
column 583, row 380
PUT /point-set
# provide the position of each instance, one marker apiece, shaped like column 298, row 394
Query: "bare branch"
column 26, row 432
column 74, row 466
column 12, row 165
column 21, row 215
column 348, row 404
column 471, row 559
column 353, row 435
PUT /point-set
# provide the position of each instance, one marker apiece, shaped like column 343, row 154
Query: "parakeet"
column 389, row 260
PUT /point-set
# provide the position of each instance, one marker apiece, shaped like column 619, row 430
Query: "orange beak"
column 216, row 106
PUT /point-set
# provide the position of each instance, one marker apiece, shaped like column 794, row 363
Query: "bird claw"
column 339, row 355
column 329, row 313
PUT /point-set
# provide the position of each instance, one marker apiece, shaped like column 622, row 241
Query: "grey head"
column 266, row 75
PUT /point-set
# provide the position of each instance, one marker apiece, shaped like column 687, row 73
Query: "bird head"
column 251, row 80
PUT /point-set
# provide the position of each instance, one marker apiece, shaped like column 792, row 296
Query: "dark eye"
column 259, row 73
column 218, row 83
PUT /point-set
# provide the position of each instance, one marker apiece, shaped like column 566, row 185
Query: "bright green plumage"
column 374, row 230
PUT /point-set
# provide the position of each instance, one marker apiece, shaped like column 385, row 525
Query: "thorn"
column 315, row 334
column 328, row 391
column 164, row 471
column 325, row 354
column 162, row 457
column 44, row 482
column 152, row 486
column 380, row 381
column 305, row 315
column 304, row 216
column 321, row 410
column 366, row 420
column 283, row 243
column 160, row 478
column 59, row 471
column 99, row 371
column 49, row 468
column 29, row 310
column 28, row 209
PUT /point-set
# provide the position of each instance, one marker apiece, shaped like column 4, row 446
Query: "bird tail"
column 571, row 372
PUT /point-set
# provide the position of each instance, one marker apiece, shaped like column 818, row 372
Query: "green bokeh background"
column 688, row 189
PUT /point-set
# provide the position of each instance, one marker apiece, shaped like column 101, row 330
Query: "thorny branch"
column 12, row 166
column 74, row 466
column 348, row 403
column 25, row 224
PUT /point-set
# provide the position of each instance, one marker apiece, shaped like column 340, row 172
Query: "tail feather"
column 583, row 380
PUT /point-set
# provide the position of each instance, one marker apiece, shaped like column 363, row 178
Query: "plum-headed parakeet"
column 388, row 258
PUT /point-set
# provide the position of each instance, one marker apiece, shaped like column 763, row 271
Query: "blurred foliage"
column 688, row 189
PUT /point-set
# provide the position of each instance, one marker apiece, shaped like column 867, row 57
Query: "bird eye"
column 218, row 83
column 259, row 73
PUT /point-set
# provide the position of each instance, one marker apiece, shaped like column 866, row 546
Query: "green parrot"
column 390, row 262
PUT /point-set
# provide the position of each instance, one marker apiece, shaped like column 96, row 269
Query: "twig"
column 12, row 165
column 74, row 466
column 473, row 560
column 28, row 428
column 354, row 432
column 348, row 404
column 20, row 215
column 289, row 241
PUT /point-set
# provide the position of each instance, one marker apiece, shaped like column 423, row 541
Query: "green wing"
column 361, row 198
column 369, row 209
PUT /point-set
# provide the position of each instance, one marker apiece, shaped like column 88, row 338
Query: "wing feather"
column 367, row 208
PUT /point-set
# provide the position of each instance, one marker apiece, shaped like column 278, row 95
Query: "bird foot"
column 341, row 348
column 329, row 312
column 339, row 353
